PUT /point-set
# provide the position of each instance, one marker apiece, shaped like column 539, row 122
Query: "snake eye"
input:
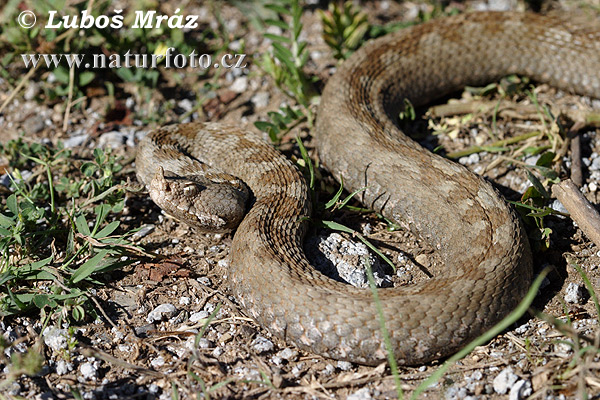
column 190, row 190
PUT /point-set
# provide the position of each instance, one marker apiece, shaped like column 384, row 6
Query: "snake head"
column 210, row 205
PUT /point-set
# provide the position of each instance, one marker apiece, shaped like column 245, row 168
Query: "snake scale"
column 488, row 265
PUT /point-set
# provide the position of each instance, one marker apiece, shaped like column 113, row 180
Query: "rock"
column 345, row 260
column 204, row 280
column 88, row 370
column 164, row 311
column 239, row 85
column 260, row 100
column 558, row 206
column 55, row 338
column 32, row 90
column 574, row 293
column 520, row 390
column 75, row 140
column 145, row 230
column 184, row 301
column 470, row 159
column 361, row 394
column 262, row 345
column 344, row 365
column 288, row 354
column 198, row 316
column 158, row 362
column 34, row 124
column 63, row 367
column 505, row 380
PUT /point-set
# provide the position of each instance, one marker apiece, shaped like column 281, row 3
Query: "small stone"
column 532, row 160
column 217, row 352
column 88, row 370
column 63, row 367
column 235, row 45
column 112, row 139
column 470, row 159
column 240, row 84
column 520, row 390
column 344, row 365
column 288, row 354
column 184, row 301
column 328, row 370
column 199, row 316
column 224, row 263
column 32, row 90
column 34, row 124
column 153, row 388
column 260, row 100
column 422, row 259
column 145, row 230
column 592, row 186
column 477, row 375
column 345, row 260
column 164, row 311
column 262, row 345
column 142, row 331
column 158, row 362
column 75, row 141
column 5, row 180
column 558, row 206
column 595, row 165
column 454, row 393
column 185, row 104
column 505, row 380
column 297, row 369
column 55, row 338
column 204, row 281
column 361, row 394
column 574, row 293
column 563, row 349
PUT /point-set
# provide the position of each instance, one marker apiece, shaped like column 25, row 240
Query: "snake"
column 221, row 177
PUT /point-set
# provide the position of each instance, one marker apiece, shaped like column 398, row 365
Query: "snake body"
column 486, row 253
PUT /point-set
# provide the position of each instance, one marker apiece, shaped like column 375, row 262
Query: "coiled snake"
column 486, row 254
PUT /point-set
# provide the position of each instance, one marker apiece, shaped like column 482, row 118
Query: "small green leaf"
column 336, row 197
column 82, row 225
column 11, row 204
column 278, row 23
column 108, row 229
column 88, row 267
column 545, row 159
column 538, row 185
column 42, row 300
column 277, row 38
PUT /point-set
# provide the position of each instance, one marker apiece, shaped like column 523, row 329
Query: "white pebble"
column 344, row 365
column 184, row 301
column 240, row 84
column 574, row 293
column 55, row 338
column 520, row 390
column 158, row 362
column 361, row 394
column 505, row 380
column 88, row 370
column 164, row 311
column 262, row 345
